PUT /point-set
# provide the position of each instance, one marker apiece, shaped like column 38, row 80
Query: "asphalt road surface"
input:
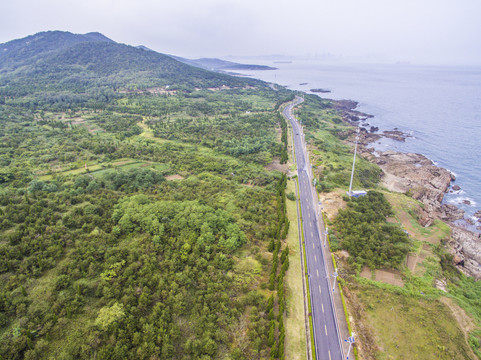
column 326, row 336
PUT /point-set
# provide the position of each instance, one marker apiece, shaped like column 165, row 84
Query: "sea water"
column 439, row 107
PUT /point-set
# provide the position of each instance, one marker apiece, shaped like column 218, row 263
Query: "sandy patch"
column 174, row 177
column 392, row 277
column 394, row 183
column 366, row 273
column 276, row 165
column 412, row 260
column 331, row 203
column 124, row 162
column 77, row 121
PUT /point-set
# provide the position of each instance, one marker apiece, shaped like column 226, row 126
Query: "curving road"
column 326, row 335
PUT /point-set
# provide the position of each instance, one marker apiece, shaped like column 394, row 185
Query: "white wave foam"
column 452, row 172
column 461, row 200
column 475, row 219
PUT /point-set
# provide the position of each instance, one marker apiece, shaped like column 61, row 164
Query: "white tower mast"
column 354, row 162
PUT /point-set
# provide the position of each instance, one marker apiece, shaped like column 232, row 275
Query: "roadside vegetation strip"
column 308, row 291
column 296, row 319
column 340, row 284
column 311, row 327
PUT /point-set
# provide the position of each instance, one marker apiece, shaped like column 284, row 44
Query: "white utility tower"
column 354, row 162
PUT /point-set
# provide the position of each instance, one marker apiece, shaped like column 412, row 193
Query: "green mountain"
column 220, row 65
column 25, row 51
column 63, row 62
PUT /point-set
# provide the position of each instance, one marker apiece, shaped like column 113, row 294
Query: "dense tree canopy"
column 366, row 235
column 135, row 223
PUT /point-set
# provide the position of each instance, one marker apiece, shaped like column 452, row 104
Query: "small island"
column 320, row 91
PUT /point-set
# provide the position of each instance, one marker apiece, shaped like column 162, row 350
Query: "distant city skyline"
column 419, row 32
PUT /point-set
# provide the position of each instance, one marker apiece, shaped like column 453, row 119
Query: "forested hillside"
column 79, row 67
column 137, row 223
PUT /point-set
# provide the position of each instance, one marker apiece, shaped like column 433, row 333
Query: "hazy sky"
column 420, row 31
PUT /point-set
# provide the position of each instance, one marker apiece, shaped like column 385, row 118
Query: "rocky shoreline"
column 416, row 175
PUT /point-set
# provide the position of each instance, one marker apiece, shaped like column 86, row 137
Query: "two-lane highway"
column 326, row 336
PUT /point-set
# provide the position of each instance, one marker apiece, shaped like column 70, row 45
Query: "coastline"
column 419, row 177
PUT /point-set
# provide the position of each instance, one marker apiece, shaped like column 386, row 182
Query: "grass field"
column 416, row 321
column 407, row 327
column 96, row 169
column 295, row 320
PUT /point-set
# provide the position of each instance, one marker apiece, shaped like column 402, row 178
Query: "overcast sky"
column 419, row 31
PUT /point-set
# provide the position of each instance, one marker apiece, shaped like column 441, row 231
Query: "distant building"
column 357, row 193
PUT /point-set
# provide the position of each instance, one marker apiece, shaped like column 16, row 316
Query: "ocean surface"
column 439, row 107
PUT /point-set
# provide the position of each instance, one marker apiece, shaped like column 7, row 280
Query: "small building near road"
column 357, row 193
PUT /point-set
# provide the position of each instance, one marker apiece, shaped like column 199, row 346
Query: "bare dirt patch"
column 278, row 134
column 366, row 273
column 411, row 261
column 77, row 121
column 223, row 87
column 174, row 177
column 331, row 203
column 392, row 277
column 248, row 184
column 276, row 165
column 121, row 163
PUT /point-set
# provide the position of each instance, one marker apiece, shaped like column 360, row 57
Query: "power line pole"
column 334, row 275
column 354, row 162
column 351, row 341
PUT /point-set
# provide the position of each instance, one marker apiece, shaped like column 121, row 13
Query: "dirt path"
column 466, row 324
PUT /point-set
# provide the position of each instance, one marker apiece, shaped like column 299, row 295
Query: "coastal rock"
column 373, row 129
column 414, row 173
column 346, row 104
column 477, row 214
column 466, row 202
column 424, row 218
column 417, row 176
column 324, row 91
column 366, row 138
column 449, row 212
column 346, row 108
column 395, row 135
column 456, row 188
column 467, row 246
column 458, row 260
